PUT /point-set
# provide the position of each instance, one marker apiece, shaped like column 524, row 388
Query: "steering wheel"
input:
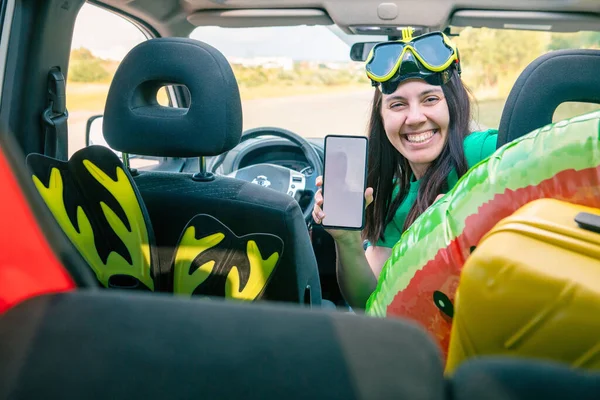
column 282, row 179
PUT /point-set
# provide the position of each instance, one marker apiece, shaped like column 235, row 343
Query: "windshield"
column 300, row 78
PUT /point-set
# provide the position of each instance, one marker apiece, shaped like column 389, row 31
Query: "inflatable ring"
column 420, row 279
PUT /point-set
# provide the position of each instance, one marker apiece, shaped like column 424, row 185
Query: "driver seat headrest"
column 550, row 80
column 135, row 123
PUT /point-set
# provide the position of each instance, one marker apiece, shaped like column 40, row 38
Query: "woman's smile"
column 419, row 139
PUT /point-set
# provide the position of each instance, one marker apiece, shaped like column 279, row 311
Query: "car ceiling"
column 179, row 17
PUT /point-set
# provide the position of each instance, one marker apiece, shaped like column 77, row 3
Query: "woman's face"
column 415, row 119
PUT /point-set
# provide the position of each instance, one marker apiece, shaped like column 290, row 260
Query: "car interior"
column 202, row 273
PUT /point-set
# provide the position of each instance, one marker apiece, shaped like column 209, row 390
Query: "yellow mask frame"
column 407, row 43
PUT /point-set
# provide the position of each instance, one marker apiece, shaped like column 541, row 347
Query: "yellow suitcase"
column 531, row 288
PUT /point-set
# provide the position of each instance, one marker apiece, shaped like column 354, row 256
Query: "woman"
column 420, row 144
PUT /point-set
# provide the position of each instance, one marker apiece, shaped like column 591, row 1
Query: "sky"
column 298, row 42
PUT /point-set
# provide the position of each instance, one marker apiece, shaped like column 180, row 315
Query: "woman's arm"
column 377, row 256
column 357, row 270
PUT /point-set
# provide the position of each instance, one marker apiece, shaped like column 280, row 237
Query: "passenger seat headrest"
column 552, row 79
column 135, row 123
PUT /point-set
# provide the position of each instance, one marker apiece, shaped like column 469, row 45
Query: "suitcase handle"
column 587, row 221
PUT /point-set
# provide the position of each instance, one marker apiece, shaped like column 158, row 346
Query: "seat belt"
column 55, row 117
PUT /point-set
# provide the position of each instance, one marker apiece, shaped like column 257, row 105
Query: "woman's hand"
column 439, row 196
column 319, row 215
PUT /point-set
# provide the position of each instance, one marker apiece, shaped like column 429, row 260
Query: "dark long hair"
column 386, row 163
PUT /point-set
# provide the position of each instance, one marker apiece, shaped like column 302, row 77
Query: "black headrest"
column 135, row 123
column 554, row 78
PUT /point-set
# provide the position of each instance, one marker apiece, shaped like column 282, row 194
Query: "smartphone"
column 344, row 182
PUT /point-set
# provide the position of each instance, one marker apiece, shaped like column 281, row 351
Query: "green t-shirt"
column 477, row 146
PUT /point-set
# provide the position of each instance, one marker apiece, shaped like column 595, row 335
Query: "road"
column 312, row 115
column 307, row 115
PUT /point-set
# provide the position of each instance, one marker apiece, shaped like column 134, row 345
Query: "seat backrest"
column 249, row 242
column 86, row 345
column 98, row 206
column 245, row 212
column 511, row 378
column 550, row 80
column 130, row 345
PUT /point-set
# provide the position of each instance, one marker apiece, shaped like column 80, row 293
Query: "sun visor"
column 259, row 18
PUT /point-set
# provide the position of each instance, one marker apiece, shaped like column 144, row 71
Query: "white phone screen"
column 344, row 181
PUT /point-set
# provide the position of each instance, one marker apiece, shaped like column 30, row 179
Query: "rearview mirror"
column 360, row 51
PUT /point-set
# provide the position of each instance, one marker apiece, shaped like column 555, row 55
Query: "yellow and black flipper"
column 96, row 203
column 210, row 260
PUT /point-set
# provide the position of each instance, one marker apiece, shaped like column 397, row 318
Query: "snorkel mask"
column 429, row 57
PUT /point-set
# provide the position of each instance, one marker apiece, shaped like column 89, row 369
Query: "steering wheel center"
column 273, row 176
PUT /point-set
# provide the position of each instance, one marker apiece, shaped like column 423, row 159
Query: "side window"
column 101, row 39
